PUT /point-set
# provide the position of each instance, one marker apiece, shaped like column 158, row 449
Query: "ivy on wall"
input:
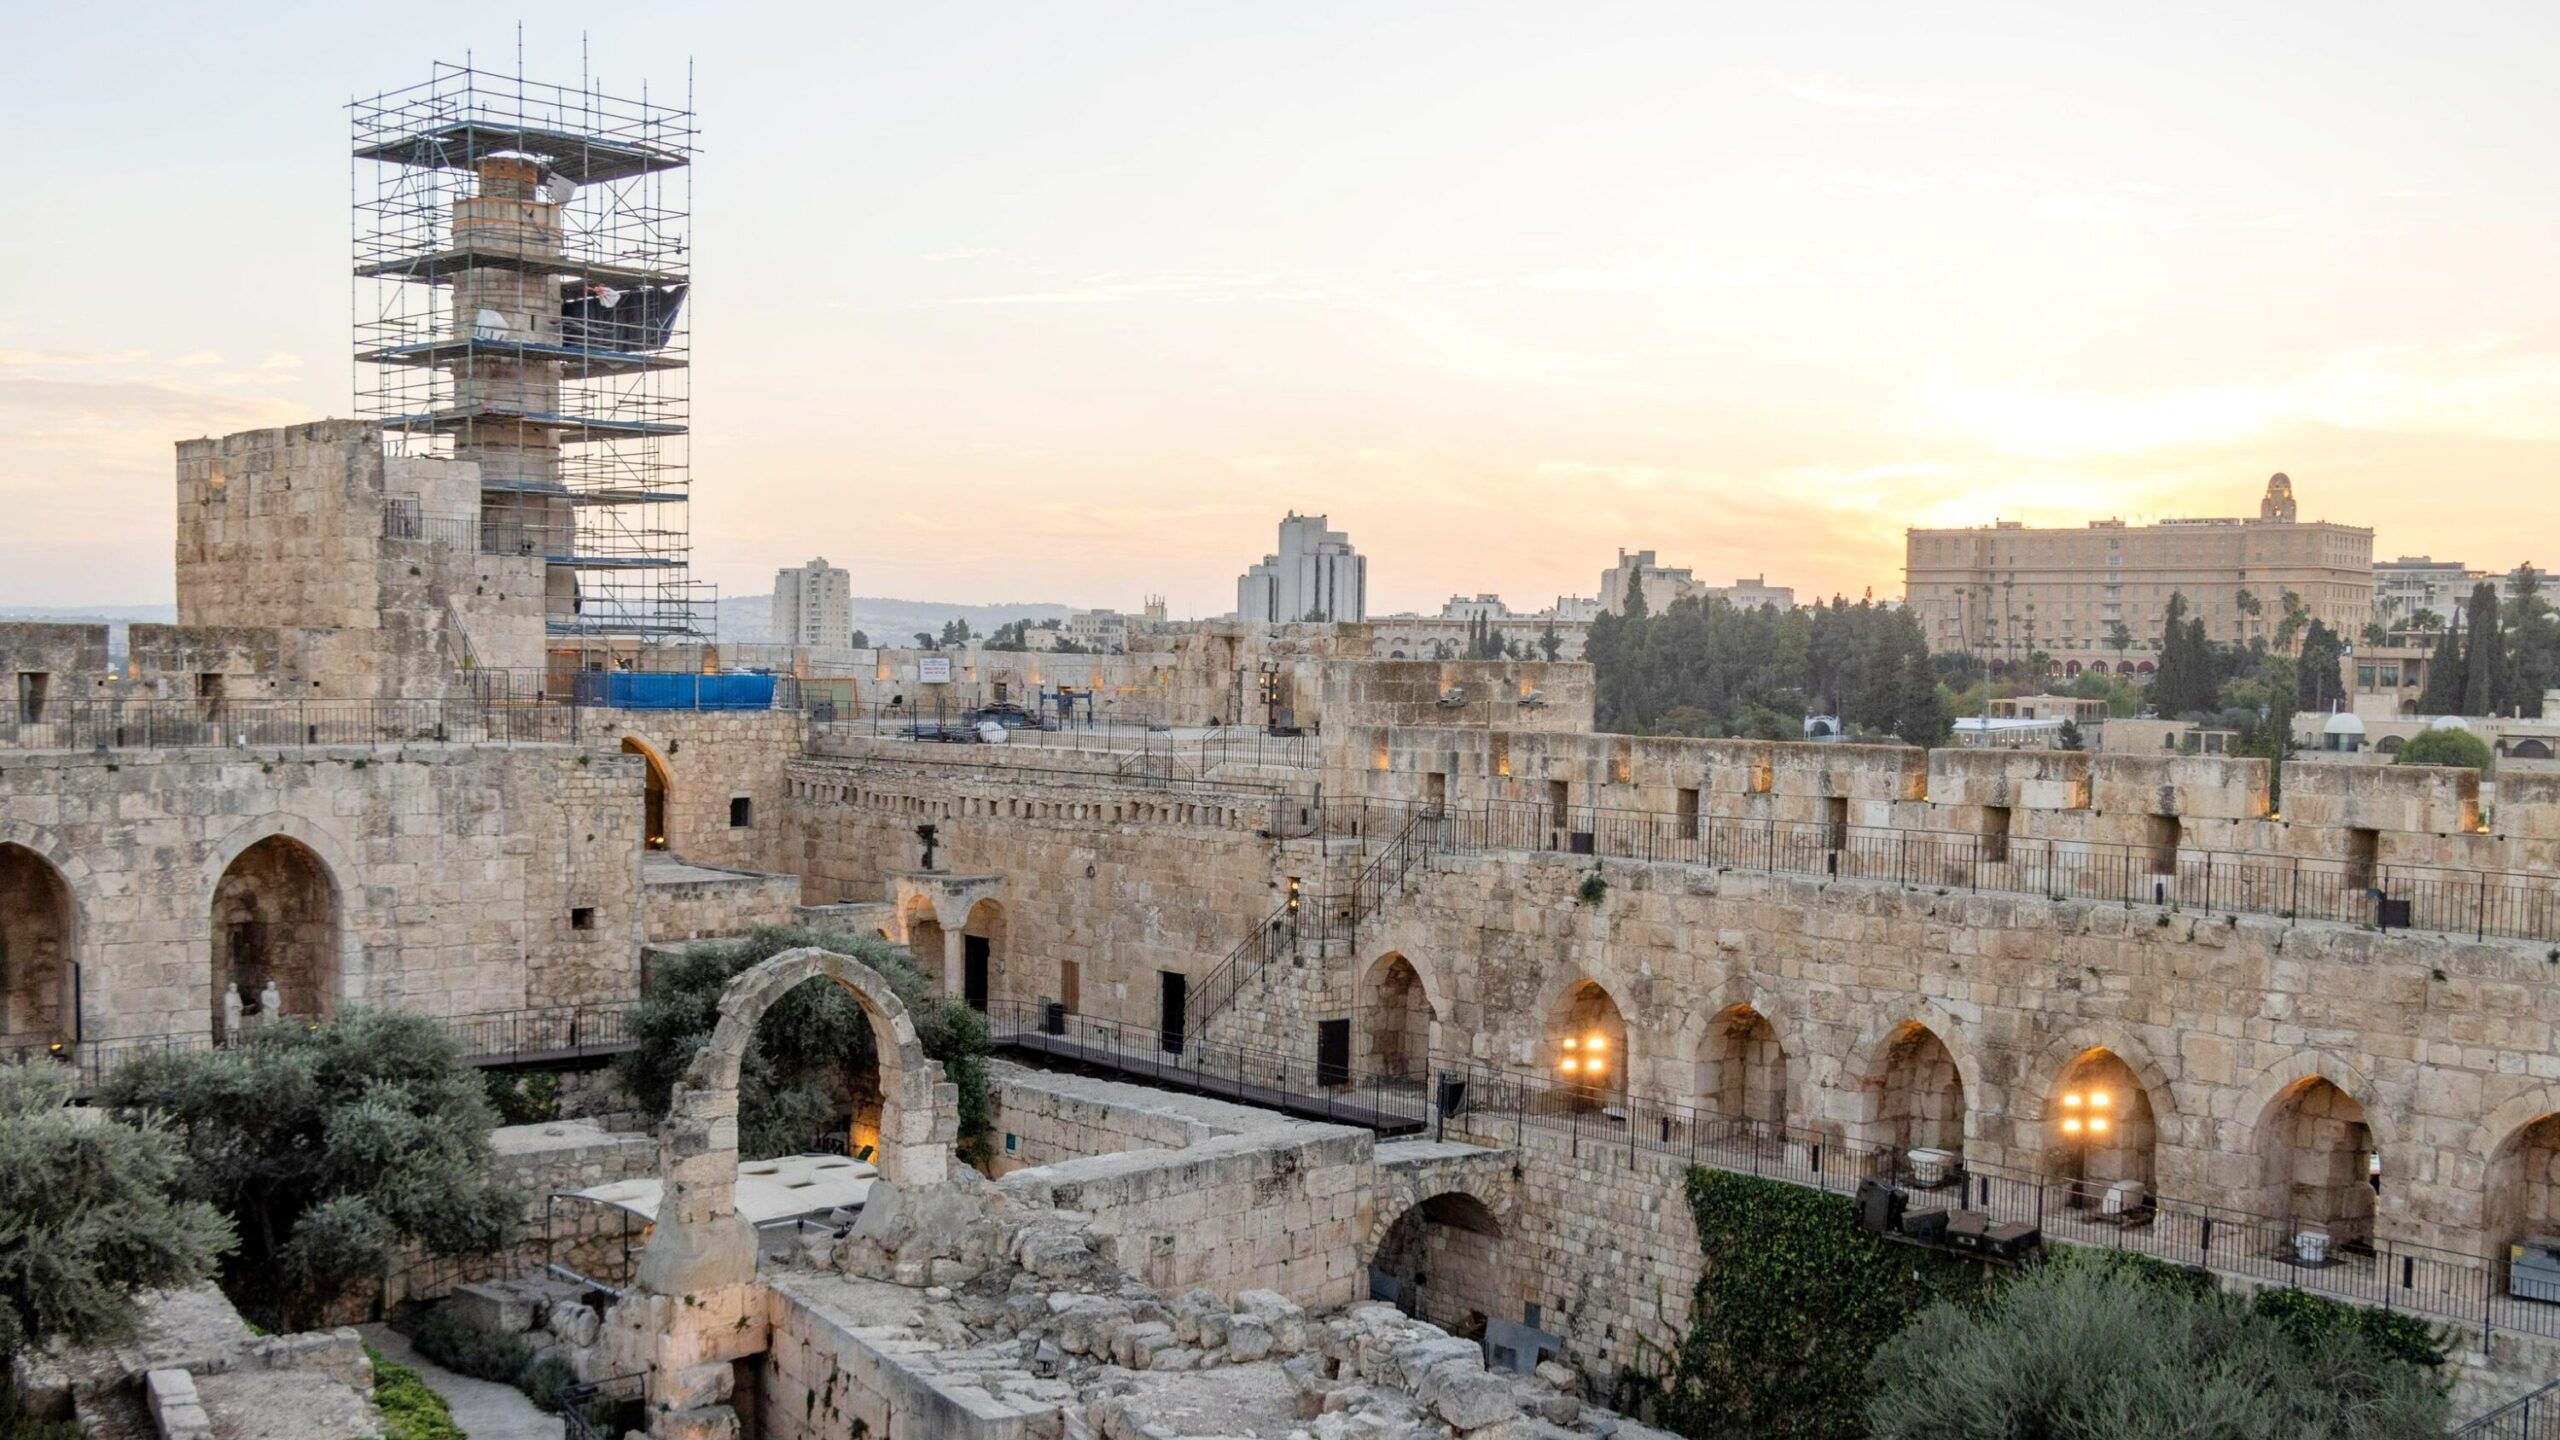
column 1792, row 1301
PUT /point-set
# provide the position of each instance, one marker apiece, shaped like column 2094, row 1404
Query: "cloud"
column 1111, row 289
column 2481, row 389
column 1879, row 182
column 1841, row 95
column 1709, row 272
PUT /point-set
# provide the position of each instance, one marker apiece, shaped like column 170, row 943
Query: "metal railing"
column 2530, row 1417
column 2480, row 903
column 1251, row 1075
column 602, row 1409
column 506, row 1037
column 275, row 724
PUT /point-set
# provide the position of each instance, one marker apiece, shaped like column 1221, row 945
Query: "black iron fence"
column 604, row 1409
column 2481, row 903
column 2531, row 1417
column 275, row 724
column 553, row 1035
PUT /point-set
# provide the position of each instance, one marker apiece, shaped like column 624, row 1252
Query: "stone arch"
column 1744, row 1077
column 1585, row 1036
column 40, row 933
column 2070, row 1047
column 275, row 909
column 1443, row 1254
column 2520, row 1184
column 700, row 1241
column 1912, row 1089
column 2316, row 1145
column 1400, row 1010
column 920, row 930
column 657, row 783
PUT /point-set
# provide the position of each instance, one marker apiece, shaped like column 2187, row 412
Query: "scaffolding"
column 522, row 288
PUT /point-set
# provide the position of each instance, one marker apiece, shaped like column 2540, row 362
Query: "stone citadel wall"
column 448, row 880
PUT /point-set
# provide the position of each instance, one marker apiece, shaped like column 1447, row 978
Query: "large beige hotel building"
column 2004, row 591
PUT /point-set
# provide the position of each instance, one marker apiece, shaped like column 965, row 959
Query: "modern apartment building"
column 813, row 605
column 1315, row 575
column 2004, row 591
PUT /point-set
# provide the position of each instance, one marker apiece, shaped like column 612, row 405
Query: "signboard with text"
column 934, row 669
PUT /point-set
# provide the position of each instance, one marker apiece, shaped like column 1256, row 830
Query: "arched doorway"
column 1441, row 1261
column 1587, row 1045
column 981, row 953
column 2523, row 1190
column 923, row 926
column 1922, row 1104
column 1396, row 1019
column 653, row 804
column 2101, row 1135
column 38, row 990
column 275, row 935
column 700, row 1242
column 2323, row 1172
column 1742, row 1073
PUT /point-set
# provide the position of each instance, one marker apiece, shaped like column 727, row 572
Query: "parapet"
column 2024, row 779
column 2192, row 787
column 2427, row 799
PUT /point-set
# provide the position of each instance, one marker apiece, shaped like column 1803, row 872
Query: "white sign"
column 933, row 669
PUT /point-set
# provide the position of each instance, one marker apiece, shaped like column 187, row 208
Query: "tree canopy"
column 330, row 1148
column 90, row 1217
column 1703, row 667
column 814, row 1064
column 2445, row 747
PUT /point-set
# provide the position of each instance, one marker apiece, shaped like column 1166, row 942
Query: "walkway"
column 484, row 1409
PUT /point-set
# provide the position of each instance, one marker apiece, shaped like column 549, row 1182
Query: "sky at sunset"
column 1071, row 301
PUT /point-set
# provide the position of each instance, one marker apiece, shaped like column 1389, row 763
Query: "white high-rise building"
column 813, row 605
column 1315, row 576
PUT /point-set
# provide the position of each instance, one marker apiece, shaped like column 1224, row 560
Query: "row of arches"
column 2089, row 1112
column 275, row 916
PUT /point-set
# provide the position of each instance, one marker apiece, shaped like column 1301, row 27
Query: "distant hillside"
column 92, row 614
column 748, row 619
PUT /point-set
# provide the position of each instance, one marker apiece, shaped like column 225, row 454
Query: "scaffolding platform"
column 575, row 361
column 448, row 228
column 585, row 158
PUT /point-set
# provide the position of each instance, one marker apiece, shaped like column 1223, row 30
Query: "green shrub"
column 329, row 1148
column 542, row 1380
column 524, row 1099
column 465, row 1347
column 410, row 1411
column 2314, row 1321
column 2080, row 1349
column 2445, row 747
column 91, row 1216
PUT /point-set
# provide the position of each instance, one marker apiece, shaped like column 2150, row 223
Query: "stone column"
column 954, row 966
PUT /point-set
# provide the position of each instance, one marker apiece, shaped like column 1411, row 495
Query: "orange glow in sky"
column 1071, row 302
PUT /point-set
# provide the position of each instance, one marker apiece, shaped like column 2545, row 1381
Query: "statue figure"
column 271, row 1004
column 230, row 1012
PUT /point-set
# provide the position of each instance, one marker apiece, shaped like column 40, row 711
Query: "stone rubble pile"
column 1039, row 1307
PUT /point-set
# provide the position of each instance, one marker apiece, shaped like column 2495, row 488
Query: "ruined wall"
column 1286, row 1210
column 688, row 903
column 712, row 759
column 453, row 871
column 1044, row 1118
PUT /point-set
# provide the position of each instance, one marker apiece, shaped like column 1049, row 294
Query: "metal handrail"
column 499, row 1037
column 2535, row 1416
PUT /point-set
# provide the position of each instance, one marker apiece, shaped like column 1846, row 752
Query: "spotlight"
column 2071, row 1126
